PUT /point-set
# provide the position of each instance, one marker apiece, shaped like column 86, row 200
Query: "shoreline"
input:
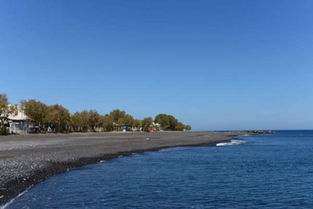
column 19, row 185
column 12, row 186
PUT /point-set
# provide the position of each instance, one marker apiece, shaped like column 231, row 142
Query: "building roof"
column 19, row 114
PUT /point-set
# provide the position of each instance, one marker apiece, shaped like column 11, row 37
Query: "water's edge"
column 18, row 186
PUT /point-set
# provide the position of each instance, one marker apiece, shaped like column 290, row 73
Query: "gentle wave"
column 232, row 142
column 172, row 149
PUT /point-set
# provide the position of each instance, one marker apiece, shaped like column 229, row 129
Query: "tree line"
column 58, row 119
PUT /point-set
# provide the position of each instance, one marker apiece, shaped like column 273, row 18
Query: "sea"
column 257, row 171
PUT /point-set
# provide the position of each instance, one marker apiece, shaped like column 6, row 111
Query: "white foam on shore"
column 173, row 149
column 232, row 142
column 6, row 205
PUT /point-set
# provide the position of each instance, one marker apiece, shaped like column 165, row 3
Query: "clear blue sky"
column 214, row 64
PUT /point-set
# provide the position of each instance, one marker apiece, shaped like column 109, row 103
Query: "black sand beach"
column 29, row 159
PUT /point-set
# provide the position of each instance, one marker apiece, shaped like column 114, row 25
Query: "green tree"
column 36, row 112
column 107, row 123
column 187, row 127
column 117, row 115
column 120, row 119
column 5, row 111
column 180, row 127
column 58, row 118
column 163, row 120
column 127, row 120
column 173, row 123
column 170, row 123
column 94, row 120
column 137, row 124
column 76, row 122
column 80, row 121
column 167, row 122
column 146, row 123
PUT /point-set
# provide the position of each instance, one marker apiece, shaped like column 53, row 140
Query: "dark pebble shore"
column 26, row 160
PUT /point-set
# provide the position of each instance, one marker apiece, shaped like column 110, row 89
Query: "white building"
column 18, row 121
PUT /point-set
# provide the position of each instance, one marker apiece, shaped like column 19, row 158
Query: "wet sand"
column 29, row 159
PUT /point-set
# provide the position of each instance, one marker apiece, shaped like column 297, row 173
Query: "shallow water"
column 264, row 171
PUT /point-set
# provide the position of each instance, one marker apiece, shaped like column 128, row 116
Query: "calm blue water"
column 268, row 171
